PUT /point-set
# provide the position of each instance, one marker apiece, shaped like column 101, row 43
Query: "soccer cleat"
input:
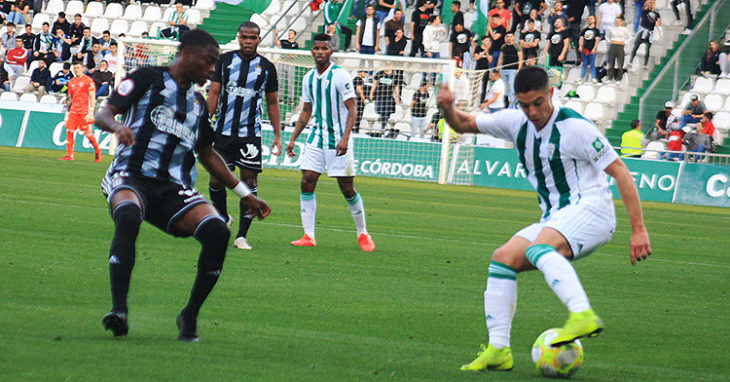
column 116, row 322
column 229, row 221
column 579, row 325
column 188, row 329
column 67, row 157
column 366, row 242
column 491, row 358
column 241, row 243
column 97, row 156
column 305, row 241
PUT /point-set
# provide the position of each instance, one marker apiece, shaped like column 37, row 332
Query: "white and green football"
column 556, row 362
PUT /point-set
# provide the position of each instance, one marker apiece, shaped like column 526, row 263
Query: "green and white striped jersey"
column 564, row 161
column 327, row 93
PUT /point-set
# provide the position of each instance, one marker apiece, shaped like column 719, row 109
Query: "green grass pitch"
column 411, row 310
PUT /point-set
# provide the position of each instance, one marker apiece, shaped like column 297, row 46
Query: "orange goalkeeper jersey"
column 79, row 88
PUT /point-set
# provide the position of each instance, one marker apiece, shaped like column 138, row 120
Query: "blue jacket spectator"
column 60, row 80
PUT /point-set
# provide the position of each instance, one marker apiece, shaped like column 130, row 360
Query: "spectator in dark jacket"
column 40, row 79
column 77, row 30
column 61, row 46
column 103, row 79
column 60, row 80
column 28, row 37
column 62, row 23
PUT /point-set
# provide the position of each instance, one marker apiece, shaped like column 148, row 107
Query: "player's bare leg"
column 205, row 224
column 250, row 177
column 308, row 203
column 357, row 210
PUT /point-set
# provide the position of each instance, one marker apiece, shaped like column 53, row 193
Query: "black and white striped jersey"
column 244, row 84
column 169, row 123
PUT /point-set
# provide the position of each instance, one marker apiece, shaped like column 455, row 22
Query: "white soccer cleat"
column 229, row 222
column 241, row 243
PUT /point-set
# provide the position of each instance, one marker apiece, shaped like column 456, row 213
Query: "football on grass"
column 556, row 362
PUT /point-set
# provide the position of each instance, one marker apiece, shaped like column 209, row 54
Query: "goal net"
column 398, row 133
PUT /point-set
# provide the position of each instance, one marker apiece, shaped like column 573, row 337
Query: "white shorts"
column 318, row 160
column 586, row 226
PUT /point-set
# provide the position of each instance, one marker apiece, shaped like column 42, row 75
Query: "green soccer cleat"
column 579, row 325
column 491, row 358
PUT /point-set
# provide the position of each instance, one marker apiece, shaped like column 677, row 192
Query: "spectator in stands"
column 699, row 140
column 557, row 46
column 607, row 14
column 61, row 46
column 332, row 10
column 177, row 23
column 460, row 42
column 494, row 101
column 574, row 10
column 85, row 44
column 39, row 80
column 43, row 46
column 536, row 19
column 530, row 40
column 7, row 38
column 111, row 57
column 511, row 59
column 290, row 42
column 433, row 35
column 483, row 62
column 674, row 143
column 334, row 41
column 386, row 94
column 618, row 37
column 77, row 30
column 103, row 79
column 384, row 8
column 62, row 23
column 631, row 141
column 397, row 46
column 419, row 110
column 496, row 33
column 4, row 77
column 105, row 41
column 650, row 19
column 19, row 13
column 15, row 59
column 556, row 12
column 28, row 37
column 505, row 16
column 693, row 112
column 461, row 89
column 393, row 25
column 5, row 7
column 711, row 59
column 523, row 11
column 458, row 16
column 588, row 46
column 362, row 85
column 688, row 10
column 367, row 32
column 59, row 82
column 664, row 123
column 419, row 20
column 706, row 126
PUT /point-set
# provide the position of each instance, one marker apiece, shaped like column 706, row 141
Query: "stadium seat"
column 468, row 20
column 415, row 81
column 294, row 9
column 403, row 128
column 152, row 13
column 722, row 87
column 55, row 68
column 586, row 92
column 575, row 105
column 28, row 97
column 726, row 107
column 721, row 120
column 33, row 65
column 73, row 7
column 113, row 11
column 48, row 98
column 713, row 102
column 53, row 7
column 566, row 88
column 364, row 125
column 8, row 96
column 398, row 115
column 132, row 12
column 260, row 21
column 407, row 96
column 274, row 8
column 194, row 16
column 602, row 47
column 98, row 26
column 118, row 27
column 299, row 25
column 137, row 27
column 209, row 5
column 573, row 75
column 94, row 9
column 155, row 29
column 167, row 14
column 20, row 84
column 684, row 102
column 606, row 94
column 38, row 21
column 653, row 150
column 594, row 111
column 369, row 114
column 702, row 85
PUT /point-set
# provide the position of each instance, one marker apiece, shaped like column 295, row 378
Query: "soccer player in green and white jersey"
column 327, row 92
column 564, row 156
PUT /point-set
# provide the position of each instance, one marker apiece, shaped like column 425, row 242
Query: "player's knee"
column 127, row 214
column 307, row 184
column 252, row 183
column 506, row 256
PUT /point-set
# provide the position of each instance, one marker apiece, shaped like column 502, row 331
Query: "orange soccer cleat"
column 97, row 156
column 366, row 242
column 305, row 241
column 67, row 157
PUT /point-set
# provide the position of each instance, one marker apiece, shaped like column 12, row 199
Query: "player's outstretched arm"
column 301, row 122
column 105, row 120
column 639, row 245
column 457, row 120
column 218, row 169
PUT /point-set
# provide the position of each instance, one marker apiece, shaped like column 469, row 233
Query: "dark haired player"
column 564, row 155
column 153, row 173
column 248, row 78
column 327, row 92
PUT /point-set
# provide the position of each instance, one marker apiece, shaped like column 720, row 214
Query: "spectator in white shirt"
column 178, row 23
column 494, row 101
column 618, row 37
column 111, row 57
column 607, row 14
column 433, row 35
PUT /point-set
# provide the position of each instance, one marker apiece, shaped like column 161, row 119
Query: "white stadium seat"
column 274, row 8
column 94, row 9
column 566, row 88
column 33, row 65
column 168, row 13
column 684, row 102
column 406, row 96
column 573, row 75
column 38, row 21
column 721, row 120
column 155, row 29
column 8, row 96
column 48, row 98
column 53, row 7
column 73, row 7
column 152, row 13
column 594, row 111
column 208, row 5
column 722, row 86
column 113, row 11
column 55, row 68
column 132, row 12
column 606, row 94
column 294, row 10
column 726, row 107
column 713, row 102
column 98, row 26
column 260, row 21
column 28, row 97
column 137, row 27
column 369, row 114
column 118, row 27
column 300, row 25
column 193, row 16
column 702, row 85
column 575, row 105
column 653, row 150
column 586, row 92
column 20, row 84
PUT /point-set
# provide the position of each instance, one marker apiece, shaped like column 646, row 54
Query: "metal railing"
column 283, row 32
column 681, row 156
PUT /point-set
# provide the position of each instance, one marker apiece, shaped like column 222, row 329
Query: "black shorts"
column 240, row 152
column 163, row 202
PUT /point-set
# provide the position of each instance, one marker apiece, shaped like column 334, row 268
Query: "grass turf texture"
column 411, row 310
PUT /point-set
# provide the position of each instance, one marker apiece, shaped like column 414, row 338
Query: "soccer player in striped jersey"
column 153, row 173
column 327, row 92
column 248, row 78
column 565, row 157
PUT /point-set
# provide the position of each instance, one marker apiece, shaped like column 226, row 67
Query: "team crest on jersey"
column 250, row 151
column 551, row 150
column 257, row 71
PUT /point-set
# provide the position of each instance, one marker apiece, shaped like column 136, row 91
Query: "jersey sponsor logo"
column 164, row 119
column 233, row 89
column 550, row 150
column 257, row 70
column 250, row 151
column 347, row 86
column 190, row 194
column 125, row 87
column 600, row 147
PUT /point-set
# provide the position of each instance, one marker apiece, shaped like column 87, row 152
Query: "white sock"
column 500, row 301
column 560, row 276
column 358, row 213
column 308, row 202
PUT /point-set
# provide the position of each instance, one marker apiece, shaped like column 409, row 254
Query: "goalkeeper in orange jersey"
column 82, row 96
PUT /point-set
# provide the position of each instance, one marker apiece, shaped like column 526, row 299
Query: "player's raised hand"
column 639, row 246
column 276, row 146
column 256, row 207
column 290, row 149
column 445, row 97
column 124, row 135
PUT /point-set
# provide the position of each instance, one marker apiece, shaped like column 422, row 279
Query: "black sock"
column 218, row 197
column 213, row 234
column 245, row 220
column 127, row 219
